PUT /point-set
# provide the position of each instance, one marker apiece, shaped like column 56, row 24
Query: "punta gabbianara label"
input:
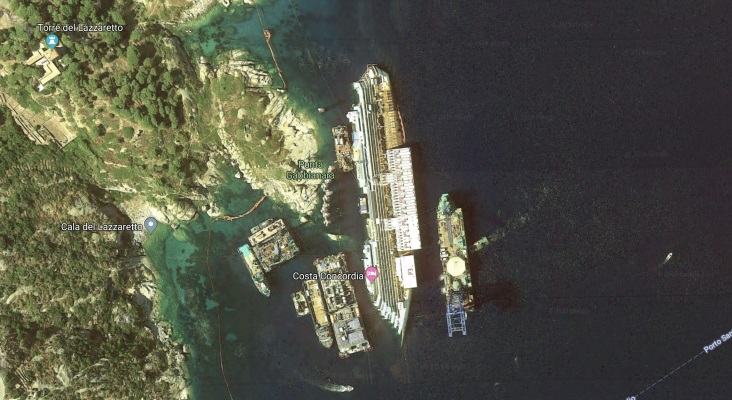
column 305, row 171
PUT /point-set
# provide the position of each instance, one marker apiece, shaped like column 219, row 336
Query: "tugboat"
column 255, row 270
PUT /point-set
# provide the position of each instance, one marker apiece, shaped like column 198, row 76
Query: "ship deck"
column 343, row 148
column 453, row 244
column 342, row 307
column 315, row 301
column 273, row 245
column 390, row 293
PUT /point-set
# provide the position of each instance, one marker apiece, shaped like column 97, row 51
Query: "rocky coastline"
column 147, row 296
column 138, row 193
column 298, row 141
column 198, row 8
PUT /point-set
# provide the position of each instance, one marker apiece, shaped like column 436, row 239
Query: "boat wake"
column 331, row 387
column 545, row 192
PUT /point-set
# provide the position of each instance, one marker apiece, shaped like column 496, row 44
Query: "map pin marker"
column 371, row 274
column 150, row 224
column 51, row 40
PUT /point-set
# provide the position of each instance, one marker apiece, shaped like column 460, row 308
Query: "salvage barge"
column 331, row 301
column 270, row 245
column 458, row 287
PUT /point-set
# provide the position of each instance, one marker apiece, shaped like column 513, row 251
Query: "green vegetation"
column 146, row 129
column 263, row 144
column 117, row 68
column 65, row 301
column 104, row 45
column 145, row 90
column 120, row 91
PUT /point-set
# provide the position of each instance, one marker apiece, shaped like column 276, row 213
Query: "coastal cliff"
column 156, row 133
column 259, row 130
column 79, row 315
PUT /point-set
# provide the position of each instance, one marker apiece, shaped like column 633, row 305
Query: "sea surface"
column 586, row 140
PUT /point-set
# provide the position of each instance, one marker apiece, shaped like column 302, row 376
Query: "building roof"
column 51, row 72
column 45, row 59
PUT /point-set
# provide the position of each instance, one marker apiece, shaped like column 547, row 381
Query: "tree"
column 128, row 133
column 135, row 36
column 133, row 56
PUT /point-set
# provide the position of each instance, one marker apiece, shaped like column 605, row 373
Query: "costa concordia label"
column 323, row 276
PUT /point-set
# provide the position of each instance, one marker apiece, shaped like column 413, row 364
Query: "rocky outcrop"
column 197, row 8
column 299, row 143
column 236, row 64
column 176, row 57
column 146, row 294
column 295, row 135
column 299, row 134
column 205, row 71
column 180, row 210
column 172, row 212
column 81, row 206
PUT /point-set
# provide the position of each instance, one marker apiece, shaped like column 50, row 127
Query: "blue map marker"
column 51, row 40
column 150, row 224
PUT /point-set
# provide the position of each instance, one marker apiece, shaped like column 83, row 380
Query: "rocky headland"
column 124, row 168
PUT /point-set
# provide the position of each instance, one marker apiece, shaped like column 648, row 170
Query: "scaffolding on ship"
column 456, row 315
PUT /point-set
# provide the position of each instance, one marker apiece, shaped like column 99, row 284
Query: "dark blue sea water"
column 586, row 140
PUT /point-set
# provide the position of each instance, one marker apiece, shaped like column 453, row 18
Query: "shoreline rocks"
column 298, row 141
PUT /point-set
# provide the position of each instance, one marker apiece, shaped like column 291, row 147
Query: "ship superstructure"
column 255, row 269
column 455, row 268
column 340, row 301
column 331, row 301
column 384, row 171
column 270, row 245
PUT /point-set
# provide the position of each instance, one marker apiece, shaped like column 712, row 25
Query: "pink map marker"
column 371, row 274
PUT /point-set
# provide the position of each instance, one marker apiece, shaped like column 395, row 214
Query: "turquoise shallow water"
column 305, row 63
column 250, row 322
column 268, row 352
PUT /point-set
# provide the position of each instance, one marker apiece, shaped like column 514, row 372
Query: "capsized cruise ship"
column 455, row 268
column 384, row 170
